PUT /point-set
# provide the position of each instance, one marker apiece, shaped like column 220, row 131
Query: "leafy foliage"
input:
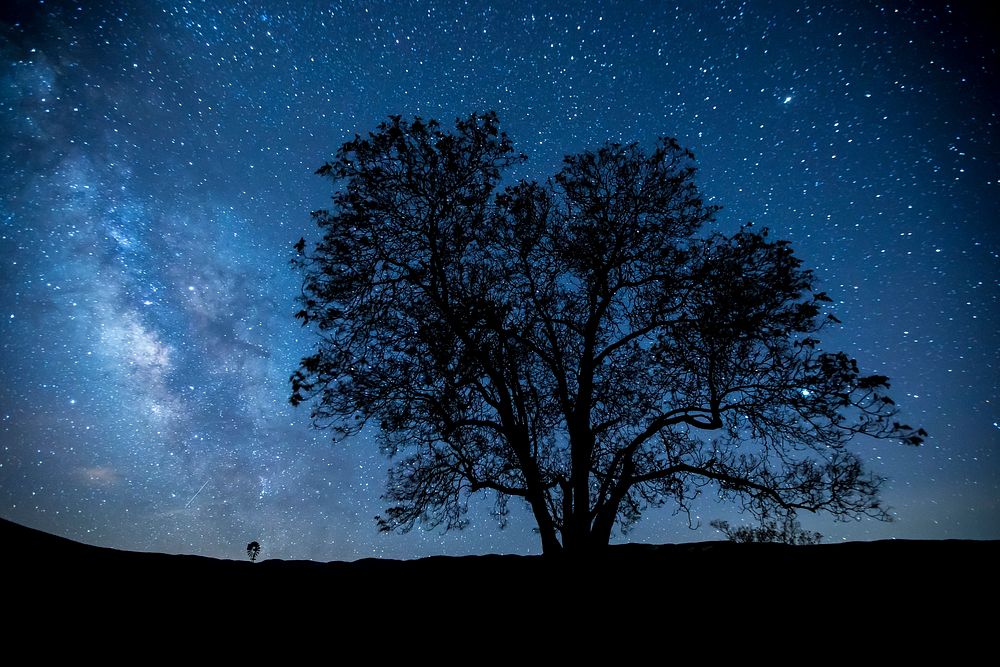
column 785, row 530
column 579, row 344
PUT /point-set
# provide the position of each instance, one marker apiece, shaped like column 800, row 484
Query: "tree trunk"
column 576, row 536
column 546, row 527
column 604, row 522
column 519, row 441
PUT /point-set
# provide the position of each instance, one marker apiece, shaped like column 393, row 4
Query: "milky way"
column 158, row 165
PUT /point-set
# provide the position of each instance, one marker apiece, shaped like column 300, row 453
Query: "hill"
column 710, row 580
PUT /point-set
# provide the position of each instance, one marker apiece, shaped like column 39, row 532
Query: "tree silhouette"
column 253, row 550
column 783, row 530
column 579, row 344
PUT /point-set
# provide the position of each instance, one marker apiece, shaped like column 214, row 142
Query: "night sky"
column 158, row 163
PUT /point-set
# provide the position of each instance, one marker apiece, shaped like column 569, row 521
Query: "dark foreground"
column 853, row 585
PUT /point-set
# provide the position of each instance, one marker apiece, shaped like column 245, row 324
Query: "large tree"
column 581, row 344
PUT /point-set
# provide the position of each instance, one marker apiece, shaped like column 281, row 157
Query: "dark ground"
column 708, row 588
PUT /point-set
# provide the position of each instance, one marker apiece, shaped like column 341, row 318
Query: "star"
column 150, row 149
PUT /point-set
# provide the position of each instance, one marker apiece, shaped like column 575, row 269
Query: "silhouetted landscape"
column 382, row 279
column 890, row 576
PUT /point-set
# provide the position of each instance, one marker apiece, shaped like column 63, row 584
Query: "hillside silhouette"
column 895, row 575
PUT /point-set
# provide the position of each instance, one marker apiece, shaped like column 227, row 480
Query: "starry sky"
column 158, row 163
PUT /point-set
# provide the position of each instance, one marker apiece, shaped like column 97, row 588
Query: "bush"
column 783, row 531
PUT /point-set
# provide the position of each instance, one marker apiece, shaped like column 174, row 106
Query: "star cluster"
column 158, row 165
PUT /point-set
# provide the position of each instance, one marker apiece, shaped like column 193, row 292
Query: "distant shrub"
column 783, row 531
column 253, row 550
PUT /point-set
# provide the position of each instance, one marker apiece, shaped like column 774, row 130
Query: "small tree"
column 580, row 344
column 253, row 550
column 783, row 530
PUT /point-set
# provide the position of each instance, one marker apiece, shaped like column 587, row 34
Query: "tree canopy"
column 581, row 344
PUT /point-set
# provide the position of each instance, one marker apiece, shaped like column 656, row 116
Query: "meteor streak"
column 196, row 494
